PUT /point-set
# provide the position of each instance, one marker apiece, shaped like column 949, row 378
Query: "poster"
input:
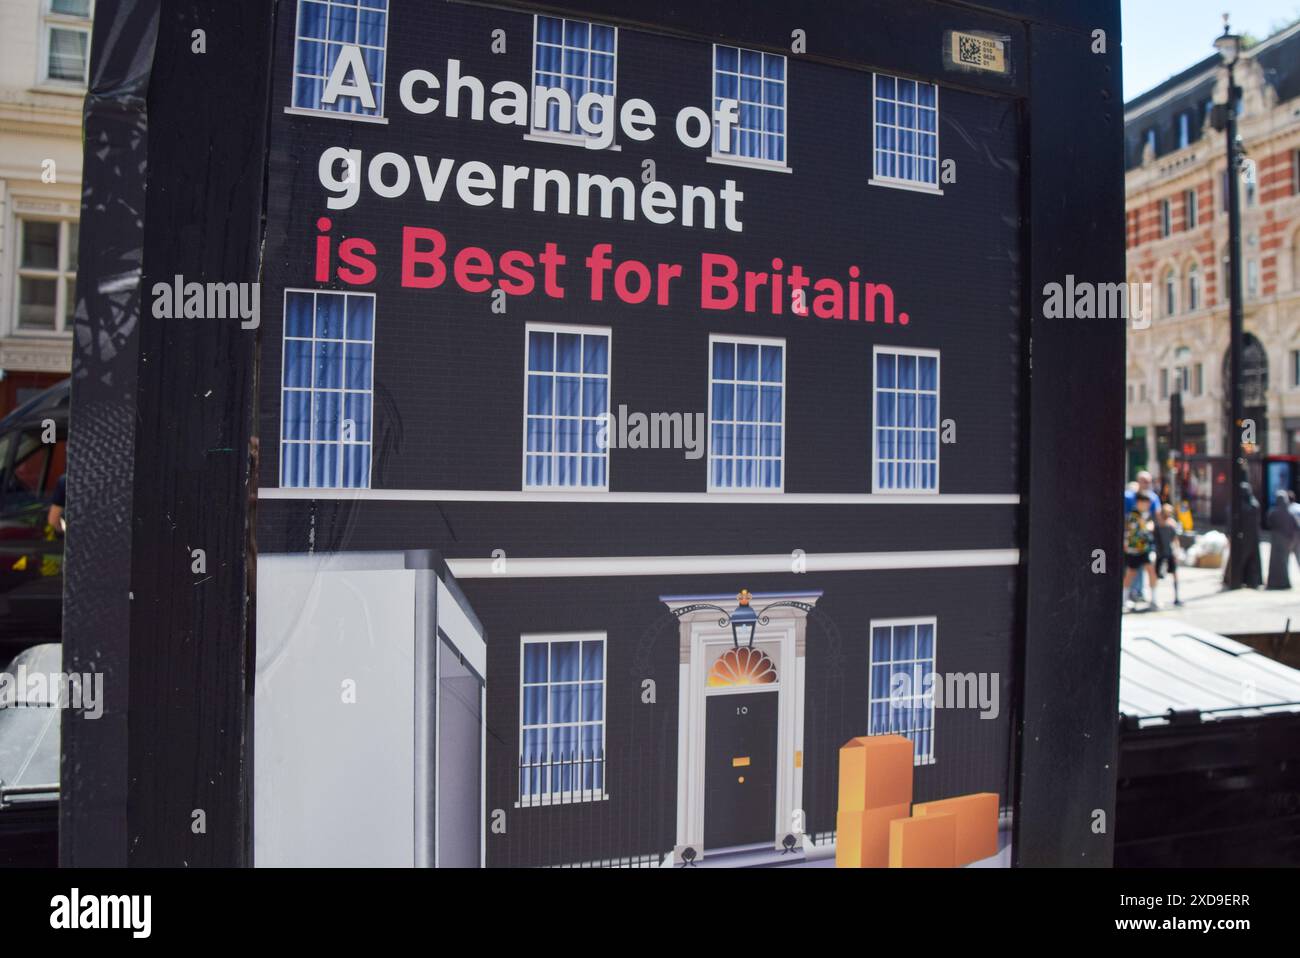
column 682, row 380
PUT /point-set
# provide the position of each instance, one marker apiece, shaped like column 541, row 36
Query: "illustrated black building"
column 858, row 474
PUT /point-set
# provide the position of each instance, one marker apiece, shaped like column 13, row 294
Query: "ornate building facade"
column 1177, row 239
column 44, row 67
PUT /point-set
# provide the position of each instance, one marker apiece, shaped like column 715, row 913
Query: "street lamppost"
column 1229, row 46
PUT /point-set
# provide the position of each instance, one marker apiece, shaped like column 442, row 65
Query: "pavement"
column 1239, row 612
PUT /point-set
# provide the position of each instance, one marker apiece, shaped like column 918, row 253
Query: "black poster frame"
column 165, row 443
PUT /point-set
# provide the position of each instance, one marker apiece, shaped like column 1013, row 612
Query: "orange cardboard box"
column 977, row 823
column 926, row 842
column 875, row 772
column 862, row 838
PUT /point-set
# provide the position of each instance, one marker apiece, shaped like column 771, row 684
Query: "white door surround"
column 703, row 636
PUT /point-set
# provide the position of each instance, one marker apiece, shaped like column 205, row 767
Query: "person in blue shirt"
column 1136, row 591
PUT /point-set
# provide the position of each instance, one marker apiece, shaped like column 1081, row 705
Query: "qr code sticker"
column 971, row 50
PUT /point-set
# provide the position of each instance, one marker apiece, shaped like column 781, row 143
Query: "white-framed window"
column 901, row 703
column 327, row 30
column 1193, row 288
column 566, row 402
column 47, row 274
column 577, row 57
column 756, row 81
column 562, row 718
column 65, row 44
column 905, row 420
column 1189, row 209
column 746, row 414
column 906, row 126
column 327, row 389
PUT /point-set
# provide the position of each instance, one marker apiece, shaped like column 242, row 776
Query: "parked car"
column 29, row 761
column 33, row 457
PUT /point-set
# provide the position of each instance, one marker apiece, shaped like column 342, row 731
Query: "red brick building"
column 1177, row 237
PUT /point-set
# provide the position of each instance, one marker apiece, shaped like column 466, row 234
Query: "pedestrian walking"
column 1294, row 508
column 1131, row 491
column 1167, row 549
column 1139, row 538
column 1283, row 531
column 1252, row 576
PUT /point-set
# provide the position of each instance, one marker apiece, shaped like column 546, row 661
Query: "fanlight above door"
column 742, row 666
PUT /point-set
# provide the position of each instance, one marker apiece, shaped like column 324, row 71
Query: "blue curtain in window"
column 324, row 27
column 327, row 390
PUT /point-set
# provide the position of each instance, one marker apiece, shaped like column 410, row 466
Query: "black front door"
column 740, row 769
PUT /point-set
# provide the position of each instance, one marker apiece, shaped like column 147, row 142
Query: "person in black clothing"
column 1166, row 534
column 1252, row 576
column 1283, row 531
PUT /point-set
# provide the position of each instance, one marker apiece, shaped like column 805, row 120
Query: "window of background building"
column 1171, row 292
column 327, row 390
column 1189, row 209
column 757, row 81
column 906, row 420
column 1198, row 379
column 1295, row 367
column 562, row 719
column 1150, row 139
column 1142, row 391
column 1252, row 278
column 1295, row 260
column 1164, row 384
column 1193, row 288
column 746, row 414
column 906, row 132
column 47, row 275
column 66, row 50
column 577, row 57
column 1130, row 392
column 1184, row 129
column 1166, row 217
column 902, row 655
column 567, row 398
column 324, row 28
column 1295, row 172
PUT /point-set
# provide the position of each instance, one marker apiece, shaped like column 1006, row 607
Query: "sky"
column 1164, row 37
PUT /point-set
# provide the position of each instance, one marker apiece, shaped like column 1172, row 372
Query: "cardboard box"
column 875, row 772
column 862, row 837
column 977, row 823
column 929, row 841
